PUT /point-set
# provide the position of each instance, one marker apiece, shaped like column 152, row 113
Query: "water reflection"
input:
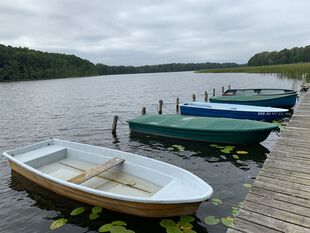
column 255, row 152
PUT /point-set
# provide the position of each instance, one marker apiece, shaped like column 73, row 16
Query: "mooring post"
column 114, row 124
column 229, row 87
column 206, row 96
column 177, row 105
column 223, row 90
column 213, row 93
column 194, row 97
column 143, row 111
column 160, row 109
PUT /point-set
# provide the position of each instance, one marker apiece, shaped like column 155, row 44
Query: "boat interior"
column 93, row 171
column 256, row 92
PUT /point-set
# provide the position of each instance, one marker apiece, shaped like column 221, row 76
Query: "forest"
column 285, row 56
column 27, row 64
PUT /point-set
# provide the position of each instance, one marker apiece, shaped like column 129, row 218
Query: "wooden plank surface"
column 84, row 176
column 279, row 200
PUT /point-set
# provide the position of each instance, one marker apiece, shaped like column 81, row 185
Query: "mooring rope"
column 122, row 122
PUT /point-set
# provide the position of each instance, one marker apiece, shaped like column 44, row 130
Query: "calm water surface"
column 81, row 110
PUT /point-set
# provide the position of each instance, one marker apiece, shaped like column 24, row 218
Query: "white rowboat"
column 112, row 179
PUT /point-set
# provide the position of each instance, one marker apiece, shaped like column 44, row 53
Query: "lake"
column 82, row 109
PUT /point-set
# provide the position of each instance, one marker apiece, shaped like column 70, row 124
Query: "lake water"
column 81, row 110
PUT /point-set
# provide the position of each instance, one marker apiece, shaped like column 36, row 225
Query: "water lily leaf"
column 184, row 225
column 118, row 229
column 173, row 229
column 105, row 228
column 58, row 223
column 96, row 210
column 226, row 151
column 167, row 223
column 242, row 152
column 216, row 201
column 228, row 221
column 77, row 211
column 187, row 218
column 93, row 216
column 217, row 146
column 129, row 231
column 178, row 147
column 119, row 223
column 236, row 157
column 211, row 220
column 234, row 211
column 247, row 185
column 189, row 231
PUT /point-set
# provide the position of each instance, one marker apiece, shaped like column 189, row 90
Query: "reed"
column 297, row 70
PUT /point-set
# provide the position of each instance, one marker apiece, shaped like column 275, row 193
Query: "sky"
column 146, row 32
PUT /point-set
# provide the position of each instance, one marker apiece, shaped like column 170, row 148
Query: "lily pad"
column 235, row 157
column 77, row 211
column 247, row 185
column 105, row 228
column 119, row 223
column 184, row 225
column 58, row 223
column 234, row 211
column 187, row 218
column 242, row 152
column 173, row 229
column 167, row 223
column 211, row 220
column 96, row 210
column 118, row 229
column 93, row 216
column 216, row 201
column 228, row 221
column 189, row 231
column 178, row 147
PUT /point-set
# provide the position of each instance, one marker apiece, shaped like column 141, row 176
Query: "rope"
column 122, row 122
column 168, row 108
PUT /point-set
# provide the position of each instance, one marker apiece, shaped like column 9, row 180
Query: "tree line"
column 27, row 64
column 285, row 56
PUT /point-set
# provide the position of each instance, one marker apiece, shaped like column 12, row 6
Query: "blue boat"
column 285, row 100
column 232, row 111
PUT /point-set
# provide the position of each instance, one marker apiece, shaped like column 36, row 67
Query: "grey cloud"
column 139, row 32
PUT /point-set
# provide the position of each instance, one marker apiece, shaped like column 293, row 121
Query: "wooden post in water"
column 223, row 90
column 206, row 96
column 160, row 108
column 143, row 111
column 194, row 97
column 213, row 93
column 114, row 124
column 229, row 87
column 177, row 105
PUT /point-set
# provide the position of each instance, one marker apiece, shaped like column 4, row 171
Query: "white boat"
column 112, row 179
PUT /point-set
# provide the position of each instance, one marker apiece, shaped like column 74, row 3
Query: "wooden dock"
column 279, row 200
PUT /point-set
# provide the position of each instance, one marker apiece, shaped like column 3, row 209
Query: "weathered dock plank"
column 279, row 200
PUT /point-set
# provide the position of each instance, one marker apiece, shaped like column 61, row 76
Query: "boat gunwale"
column 191, row 105
column 197, row 198
column 289, row 91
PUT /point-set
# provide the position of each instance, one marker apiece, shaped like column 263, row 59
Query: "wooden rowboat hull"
column 134, row 208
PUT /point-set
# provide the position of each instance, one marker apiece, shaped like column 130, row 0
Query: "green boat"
column 209, row 129
column 276, row 100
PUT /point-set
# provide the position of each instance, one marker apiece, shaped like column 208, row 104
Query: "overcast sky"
column 140, row 32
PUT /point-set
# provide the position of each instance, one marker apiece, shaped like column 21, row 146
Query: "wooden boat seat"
column 84, row 176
